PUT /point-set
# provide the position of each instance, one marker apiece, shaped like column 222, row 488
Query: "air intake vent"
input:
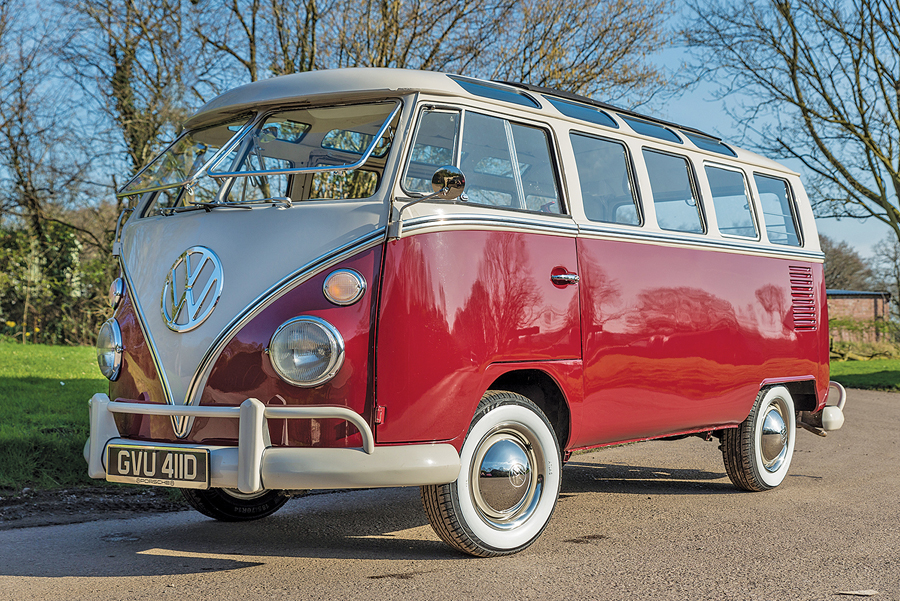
column 803, row 298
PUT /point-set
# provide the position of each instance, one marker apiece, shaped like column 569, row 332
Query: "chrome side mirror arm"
column 448, row 183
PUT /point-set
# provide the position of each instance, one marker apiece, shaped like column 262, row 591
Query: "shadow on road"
column 378, row 524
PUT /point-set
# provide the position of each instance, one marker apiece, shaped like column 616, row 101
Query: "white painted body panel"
column 258, row 248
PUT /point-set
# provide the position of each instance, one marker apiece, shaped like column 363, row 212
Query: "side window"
column 535, row 168
column 487, row 162
column 778, row 210
column 435, row 147
column 731, row 202
column 606, row 188
column 677, row 204
column 506, row 164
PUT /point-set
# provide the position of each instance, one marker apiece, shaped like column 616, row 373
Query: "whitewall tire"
column 508, row 482
column 758, row 454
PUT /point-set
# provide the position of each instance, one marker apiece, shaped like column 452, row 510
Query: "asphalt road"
column 655, row 520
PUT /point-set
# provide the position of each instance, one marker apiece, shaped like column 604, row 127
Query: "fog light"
column 344, row 287
column 306, row 351
column 109, row 349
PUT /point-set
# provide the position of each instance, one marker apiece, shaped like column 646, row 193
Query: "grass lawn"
column 44, row 414
column 877, row 374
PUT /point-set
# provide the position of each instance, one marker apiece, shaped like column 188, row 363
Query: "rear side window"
column 731, row 202
column 607, row 191
column 674, row 196
column 778, row 210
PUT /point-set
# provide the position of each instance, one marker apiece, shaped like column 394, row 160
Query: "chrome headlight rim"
column 336, row 343
column 111, row 330
column 344, row 302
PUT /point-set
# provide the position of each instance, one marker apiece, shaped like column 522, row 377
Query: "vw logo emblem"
column 518, row 475
column 192, row 289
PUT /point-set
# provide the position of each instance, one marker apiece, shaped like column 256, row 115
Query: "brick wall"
column 866, row 311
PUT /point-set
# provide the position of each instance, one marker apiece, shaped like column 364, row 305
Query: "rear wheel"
column 508, row 481
column 758, row 454
column 229, row 505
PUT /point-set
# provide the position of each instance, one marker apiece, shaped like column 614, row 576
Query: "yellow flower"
column 36, row 330
column 27, row 334
column 10, row 324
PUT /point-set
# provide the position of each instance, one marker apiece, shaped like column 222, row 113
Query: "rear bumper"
column 254, row 465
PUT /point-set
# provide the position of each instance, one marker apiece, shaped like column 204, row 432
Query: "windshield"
column 184, row 158
column 286, row 156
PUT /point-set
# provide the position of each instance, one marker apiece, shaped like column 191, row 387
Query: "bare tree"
column 129, row 58
column 844, row 268
column 819, row 82
column 887, row 271
column 592, row 47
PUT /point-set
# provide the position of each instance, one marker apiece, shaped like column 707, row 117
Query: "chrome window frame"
column 508, row 120
column 253, row 117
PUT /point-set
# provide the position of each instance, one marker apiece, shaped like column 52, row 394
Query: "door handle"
column 564, row 279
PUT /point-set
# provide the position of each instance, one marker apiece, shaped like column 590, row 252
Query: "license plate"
column 158, row 466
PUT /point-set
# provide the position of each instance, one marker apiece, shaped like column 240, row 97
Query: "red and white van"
column 366, row 277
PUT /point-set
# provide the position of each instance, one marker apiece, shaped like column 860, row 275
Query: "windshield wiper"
column 278, row 201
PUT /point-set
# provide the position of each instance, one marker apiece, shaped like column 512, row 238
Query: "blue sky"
column 698, row 108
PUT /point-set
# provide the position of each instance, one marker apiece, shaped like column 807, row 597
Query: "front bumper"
column 255, row 465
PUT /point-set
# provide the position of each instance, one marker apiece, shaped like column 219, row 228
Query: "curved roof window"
column 496, row 93
column 583, row 112
column 704, row 143
column 652, row 129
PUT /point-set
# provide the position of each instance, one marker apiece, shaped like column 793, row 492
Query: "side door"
column 474, row 283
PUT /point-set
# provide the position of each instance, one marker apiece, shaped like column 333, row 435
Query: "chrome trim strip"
column 438, row 222
column 647, row 237
column 265, row 299
column 563, row 226
column 151, row 344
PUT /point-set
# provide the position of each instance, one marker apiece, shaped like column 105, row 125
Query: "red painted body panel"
column 679, row 338
column 244, row 371
column 456, row 302
column 137, row 380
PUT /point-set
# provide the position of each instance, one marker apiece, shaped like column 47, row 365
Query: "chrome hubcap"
column 506, row 478
column 774, row 439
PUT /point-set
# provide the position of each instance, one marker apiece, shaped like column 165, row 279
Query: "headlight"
column 109, row 349
column 306, row 351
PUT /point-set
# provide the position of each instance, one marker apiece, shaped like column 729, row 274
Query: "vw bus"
column 368, row 278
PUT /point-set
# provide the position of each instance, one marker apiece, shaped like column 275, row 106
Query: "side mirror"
column 448, row 183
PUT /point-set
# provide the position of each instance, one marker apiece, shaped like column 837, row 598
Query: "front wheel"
column 508, row 482
column 229, row 505
column 758, row 454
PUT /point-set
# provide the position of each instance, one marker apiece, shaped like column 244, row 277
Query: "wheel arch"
column 803, row 392
column 541, row 389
